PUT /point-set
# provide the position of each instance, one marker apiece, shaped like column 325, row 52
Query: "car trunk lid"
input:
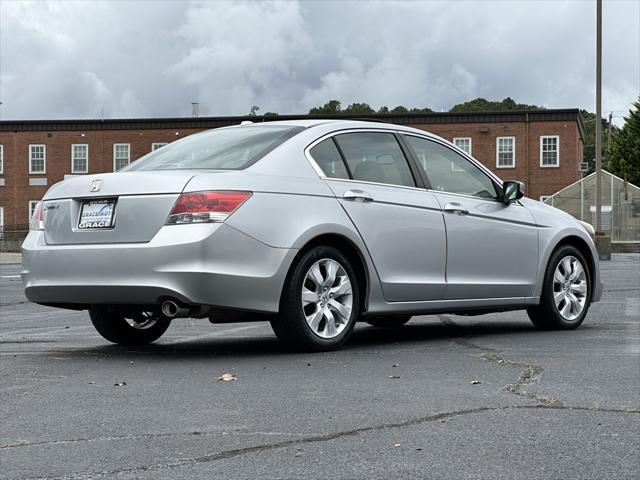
column 141, row 202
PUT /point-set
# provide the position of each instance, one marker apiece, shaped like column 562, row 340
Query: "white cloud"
column 148, row 58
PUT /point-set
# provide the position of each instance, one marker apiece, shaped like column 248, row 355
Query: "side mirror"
column 512, row 191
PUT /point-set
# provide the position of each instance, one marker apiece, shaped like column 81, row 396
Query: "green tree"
column 624, row 155
column 400, row 109
column 332, row 107
column 484, row 105
column 383, row 109
column 420, row 110
column 357, row 108
column 589, row 150
column 270, row 114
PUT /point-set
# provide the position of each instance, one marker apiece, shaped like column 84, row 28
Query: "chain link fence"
column 11, row 238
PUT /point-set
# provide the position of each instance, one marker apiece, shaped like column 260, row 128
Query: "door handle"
column 357, row 195
column 455, row 207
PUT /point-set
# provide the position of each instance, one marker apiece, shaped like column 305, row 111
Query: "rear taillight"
column 37, row 219
column 205, row 207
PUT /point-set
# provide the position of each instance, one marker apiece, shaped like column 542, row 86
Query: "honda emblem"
column 96, row 185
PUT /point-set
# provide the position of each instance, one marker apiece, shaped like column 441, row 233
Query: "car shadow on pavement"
column 364, row 338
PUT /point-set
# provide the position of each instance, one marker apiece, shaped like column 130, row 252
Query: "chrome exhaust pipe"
column 171, row 309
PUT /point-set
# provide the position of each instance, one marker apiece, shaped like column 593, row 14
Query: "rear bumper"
column 212, row 264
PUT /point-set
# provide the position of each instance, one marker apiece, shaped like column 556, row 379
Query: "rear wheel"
column 389, row 322
column 320, row 302
column 123, row 328
column 566, row 292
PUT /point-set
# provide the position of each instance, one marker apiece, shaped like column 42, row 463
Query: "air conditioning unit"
column 583, row 167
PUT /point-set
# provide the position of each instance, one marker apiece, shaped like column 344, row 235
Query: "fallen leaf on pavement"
column 395, row 377
column 227, row 377
column 474, row 382
column 120, row 384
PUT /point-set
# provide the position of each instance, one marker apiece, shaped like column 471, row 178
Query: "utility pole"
column 598, row 117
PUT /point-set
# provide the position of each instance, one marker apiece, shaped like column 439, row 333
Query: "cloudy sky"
column 67, row 59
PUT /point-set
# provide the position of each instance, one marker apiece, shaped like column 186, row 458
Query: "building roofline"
column 571, row 114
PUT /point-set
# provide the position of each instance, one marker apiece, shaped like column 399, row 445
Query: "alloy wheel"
column 327, row 298
column 142, row 320
column 570, row 288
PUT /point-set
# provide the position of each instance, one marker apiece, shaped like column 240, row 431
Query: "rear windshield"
column 231, row 148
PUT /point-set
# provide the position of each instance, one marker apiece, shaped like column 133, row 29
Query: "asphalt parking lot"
column 444, row 397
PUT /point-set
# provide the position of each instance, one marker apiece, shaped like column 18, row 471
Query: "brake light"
column 37, row 219
column 205, row 207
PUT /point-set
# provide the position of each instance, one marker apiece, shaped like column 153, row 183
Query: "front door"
column 492, row 247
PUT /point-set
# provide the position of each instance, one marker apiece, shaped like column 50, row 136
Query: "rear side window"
column 328, row 158
column 232, row 148
column 375, row 157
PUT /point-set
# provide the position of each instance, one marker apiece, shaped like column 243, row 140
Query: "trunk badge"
column 96, row 185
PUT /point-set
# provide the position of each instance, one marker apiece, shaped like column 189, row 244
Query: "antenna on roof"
column 194, row 109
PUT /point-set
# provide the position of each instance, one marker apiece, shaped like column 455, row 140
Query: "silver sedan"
column 312, row 225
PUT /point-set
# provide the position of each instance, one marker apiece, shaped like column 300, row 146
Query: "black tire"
column 290, row 325
column 546, row 315
column 389, row 322
column 113, row 326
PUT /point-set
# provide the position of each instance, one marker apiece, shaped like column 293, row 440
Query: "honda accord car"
column 312, row 225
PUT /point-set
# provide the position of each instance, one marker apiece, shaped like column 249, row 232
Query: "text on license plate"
column 97, row 213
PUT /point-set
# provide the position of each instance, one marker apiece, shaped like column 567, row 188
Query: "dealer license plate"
column 96, row 214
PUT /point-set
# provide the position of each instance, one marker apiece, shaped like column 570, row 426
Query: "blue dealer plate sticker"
column 96, row 214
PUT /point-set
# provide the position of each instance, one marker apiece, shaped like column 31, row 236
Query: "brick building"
column 542, row 148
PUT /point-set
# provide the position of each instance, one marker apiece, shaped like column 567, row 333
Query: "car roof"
column 340, row 123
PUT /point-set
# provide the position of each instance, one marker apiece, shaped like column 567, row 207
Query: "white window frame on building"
column 512, row 151
column 544, row 198
column 81, row 158
column 464, row 144
column 116, row 158
column 32, row 147
column 157, row 145
column 1, row 159
column 32, row 207
column 1, row 221
column 556, row 151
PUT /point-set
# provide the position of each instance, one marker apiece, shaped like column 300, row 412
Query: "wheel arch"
column 350, row 250
column 585, row 250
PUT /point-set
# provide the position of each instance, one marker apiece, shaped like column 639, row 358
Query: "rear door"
column 492, row 247
column 401, row 223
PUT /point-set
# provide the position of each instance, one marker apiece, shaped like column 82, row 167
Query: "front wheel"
column 566, row 292
column 320, row 302
column 137, row 328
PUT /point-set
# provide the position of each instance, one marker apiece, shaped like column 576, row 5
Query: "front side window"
column 375, row 157
column 505, row 152
column 328, row 158
column 121, row 156
column 463, row 144
column 549, row 151
column 37, row 159
column 232, row 148
column 436, row 160
column 79, row 158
